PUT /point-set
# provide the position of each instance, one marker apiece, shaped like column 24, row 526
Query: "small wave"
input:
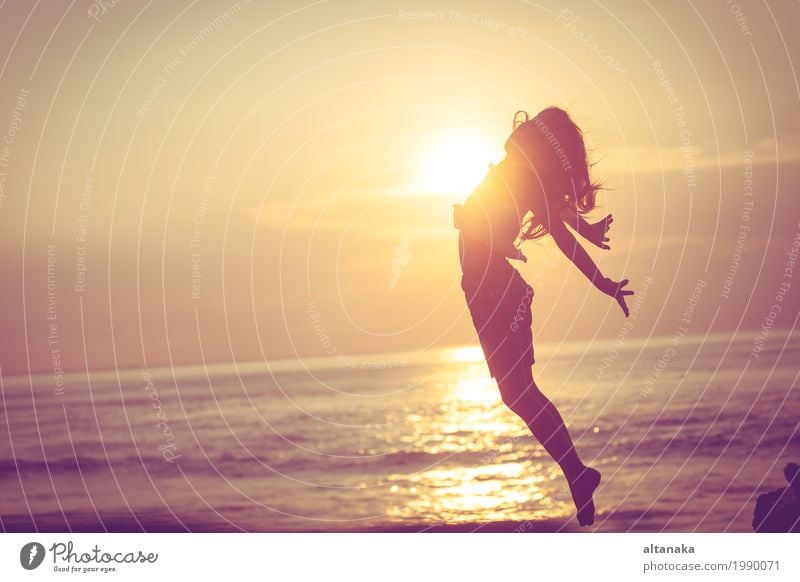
column 710, row 444
column 242, row 464
column 73, row 464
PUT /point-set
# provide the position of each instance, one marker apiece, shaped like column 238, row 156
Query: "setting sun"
column 455, row 164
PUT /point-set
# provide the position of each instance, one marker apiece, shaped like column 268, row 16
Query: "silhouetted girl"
column 541, row 186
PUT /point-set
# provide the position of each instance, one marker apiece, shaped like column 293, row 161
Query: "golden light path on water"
column 512, row 480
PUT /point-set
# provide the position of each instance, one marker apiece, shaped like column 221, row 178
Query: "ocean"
column 686, row 431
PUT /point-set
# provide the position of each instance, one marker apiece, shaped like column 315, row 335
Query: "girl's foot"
column 582, row 487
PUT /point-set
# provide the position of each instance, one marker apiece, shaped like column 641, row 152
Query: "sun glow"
column 455, row 164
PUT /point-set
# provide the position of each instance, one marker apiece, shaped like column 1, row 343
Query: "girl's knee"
column 511, row 398
column 522, row 399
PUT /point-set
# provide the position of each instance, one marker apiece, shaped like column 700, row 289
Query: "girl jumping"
column 540, row 187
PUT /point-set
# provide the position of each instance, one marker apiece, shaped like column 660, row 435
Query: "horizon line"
column 291, row 363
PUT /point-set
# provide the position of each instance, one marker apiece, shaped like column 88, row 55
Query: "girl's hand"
column 616, row 291
column 596, row 233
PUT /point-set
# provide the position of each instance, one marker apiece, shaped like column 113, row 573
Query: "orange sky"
column 233, row 181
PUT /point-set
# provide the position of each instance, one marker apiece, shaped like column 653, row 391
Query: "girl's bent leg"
column 521, row 395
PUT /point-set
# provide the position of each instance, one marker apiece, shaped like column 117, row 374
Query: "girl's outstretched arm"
column 570, row 246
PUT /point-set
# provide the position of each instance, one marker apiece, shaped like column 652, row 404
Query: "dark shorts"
column 499, row 302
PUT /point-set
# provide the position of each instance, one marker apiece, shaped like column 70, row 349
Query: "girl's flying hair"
column 551, row 144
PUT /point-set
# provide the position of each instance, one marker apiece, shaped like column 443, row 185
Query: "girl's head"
column 552, row 145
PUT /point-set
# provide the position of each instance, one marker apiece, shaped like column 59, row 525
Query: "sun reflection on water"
column 507, row 491
column 489, row 468
column 470, row 418
column 465, row 354
column 479, row 390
